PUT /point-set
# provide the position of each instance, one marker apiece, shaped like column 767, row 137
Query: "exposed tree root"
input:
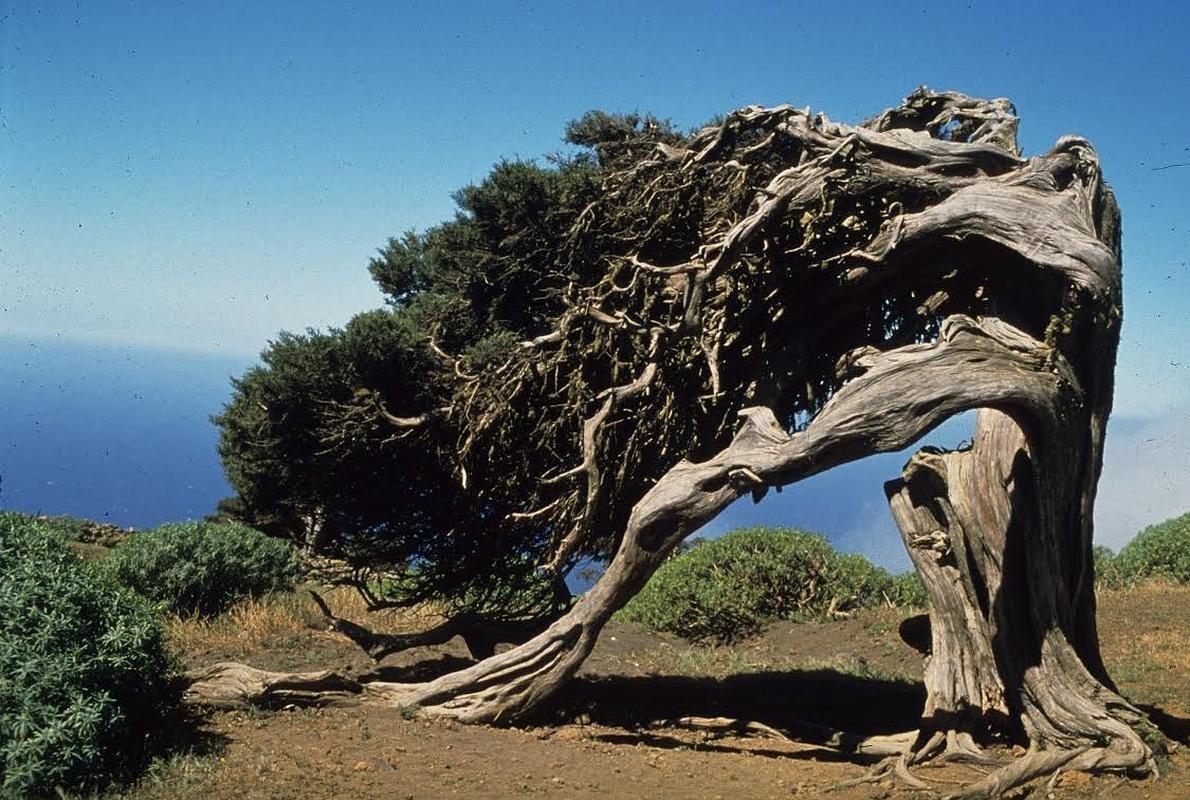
column 232, row 685
column 1119, row 756
column 1035, row 765
column 805, row 733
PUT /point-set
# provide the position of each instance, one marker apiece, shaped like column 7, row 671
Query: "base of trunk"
column 1000, row 535
column 987, row 530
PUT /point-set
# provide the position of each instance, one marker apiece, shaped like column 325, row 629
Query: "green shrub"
column 75, row 529
column 728, row 587
column 201, row 568
column 1107, row 567
column 907, row 591
column 1159, row 551
column 85, row 677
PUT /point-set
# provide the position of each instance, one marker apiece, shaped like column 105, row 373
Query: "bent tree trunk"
column 1025, row 492
column 996, row 534
column 1023, row 256
column 902, row 395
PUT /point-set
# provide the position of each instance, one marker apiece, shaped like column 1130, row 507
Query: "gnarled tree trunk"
column 1027, row 255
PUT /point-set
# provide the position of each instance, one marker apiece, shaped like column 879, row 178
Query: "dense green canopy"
column 555, row 348
column 320, row 440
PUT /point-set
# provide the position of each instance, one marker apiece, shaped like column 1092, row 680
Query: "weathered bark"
column 989, row 531
column 902, row 394
column 228, row 684
column 1021, row 256
column 999, row 648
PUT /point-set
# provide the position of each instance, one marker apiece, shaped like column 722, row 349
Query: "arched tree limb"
column 903, row 394
column 804, row 307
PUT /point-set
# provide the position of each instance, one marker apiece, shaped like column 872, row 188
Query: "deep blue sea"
column 117, row 434
column 123, row 434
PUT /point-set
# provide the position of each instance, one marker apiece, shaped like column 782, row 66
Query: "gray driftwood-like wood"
column 1000, row 532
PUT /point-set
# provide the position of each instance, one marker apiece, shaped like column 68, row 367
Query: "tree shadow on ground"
column 804, row 702
column 1176, row 729
column 417, row 671
column 187, row 734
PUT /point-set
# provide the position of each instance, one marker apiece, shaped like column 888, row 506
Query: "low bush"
column 1107, row 568
column 727, row 588
column 76, row 529
column 907, row 591
column 85, row 677
column 202, row 568
column 1159, row 551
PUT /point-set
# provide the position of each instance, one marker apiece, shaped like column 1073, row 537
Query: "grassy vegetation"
column 281, row 621
column 725, row 589
column 1159, row 551
column 1146, row 642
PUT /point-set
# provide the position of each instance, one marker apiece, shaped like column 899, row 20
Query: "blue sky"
column 199, row 176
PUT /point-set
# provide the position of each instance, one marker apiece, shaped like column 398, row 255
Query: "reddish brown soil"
column 613, row 733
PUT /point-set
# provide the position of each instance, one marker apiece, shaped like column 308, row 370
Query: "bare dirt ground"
column 615, row 732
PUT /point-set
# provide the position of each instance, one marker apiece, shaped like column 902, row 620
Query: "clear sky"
column 198, row 176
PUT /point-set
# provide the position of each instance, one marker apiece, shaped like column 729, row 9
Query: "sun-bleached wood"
column 1000, row 532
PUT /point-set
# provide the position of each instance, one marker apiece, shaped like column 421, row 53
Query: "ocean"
column 113, row 433
column 123, row 435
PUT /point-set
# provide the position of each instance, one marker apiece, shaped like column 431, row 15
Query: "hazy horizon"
column 122, row 434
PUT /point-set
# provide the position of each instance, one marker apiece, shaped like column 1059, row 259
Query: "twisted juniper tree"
column 772, row 296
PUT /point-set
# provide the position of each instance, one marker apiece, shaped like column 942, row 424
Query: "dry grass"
column 283, row 621
column 1146, row 642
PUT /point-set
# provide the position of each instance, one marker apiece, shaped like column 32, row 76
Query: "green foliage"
column 442, row 439
column 619, row 137
column 292, row 468
column 1107, row 568
column 727, row 588
column 907, row 591
column 85, row 677
column 201, row 567
column 1159, row 551
column 493, row 480
column 305, row 440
